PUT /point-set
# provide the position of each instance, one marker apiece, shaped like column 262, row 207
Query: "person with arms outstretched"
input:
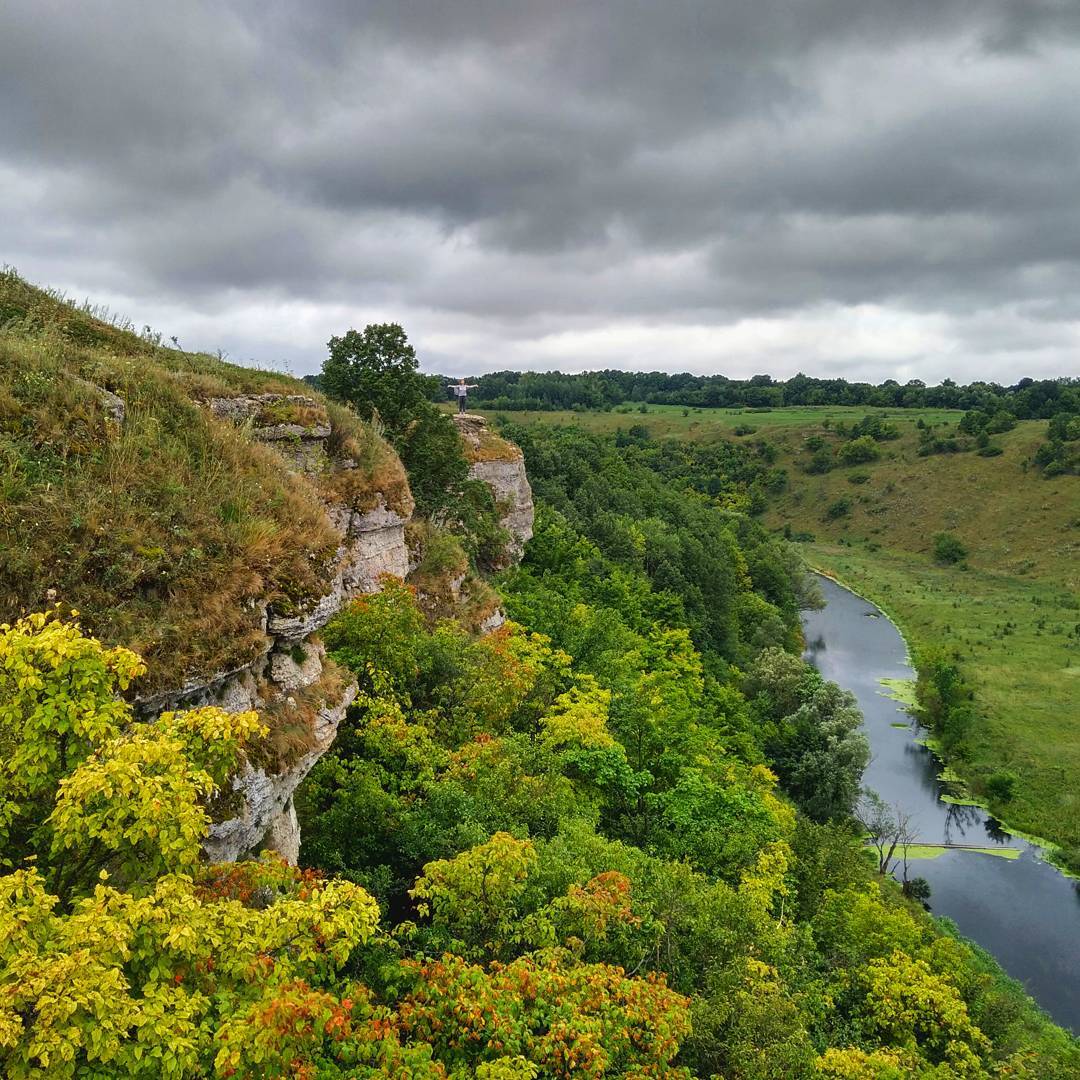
column 461, row 389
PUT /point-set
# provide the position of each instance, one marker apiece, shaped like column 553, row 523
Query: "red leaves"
column 571, row 1019
column 603, row 900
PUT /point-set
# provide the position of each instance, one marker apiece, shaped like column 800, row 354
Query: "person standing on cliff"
column 461, row 388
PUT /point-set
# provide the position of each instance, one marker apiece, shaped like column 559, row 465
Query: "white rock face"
column 513, row 498
column 292, row 669
column 268, row 796
column 500, row 465
column 372, row 545
column 283, row 836
column 376, row 546
column 492, row 623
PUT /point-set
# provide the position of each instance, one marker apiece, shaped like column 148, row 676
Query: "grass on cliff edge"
column 162, row 531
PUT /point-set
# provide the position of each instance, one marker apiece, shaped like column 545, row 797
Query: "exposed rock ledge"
column 267, row 818
column 500, row 465
column 291, row 676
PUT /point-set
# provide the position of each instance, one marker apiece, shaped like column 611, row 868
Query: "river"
column 1020, row 909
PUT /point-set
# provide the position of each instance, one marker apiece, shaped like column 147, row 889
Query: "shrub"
column 840, row 508
column 1000, row 422
column 1001, row 786
column 948, row 548
column 820, row 462
column 859, row 451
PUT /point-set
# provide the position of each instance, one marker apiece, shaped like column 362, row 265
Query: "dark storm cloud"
column 868, row 188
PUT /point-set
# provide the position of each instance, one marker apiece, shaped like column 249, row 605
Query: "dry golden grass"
column 170, row 531
column 290, row 717
column 295, row 413
column 368, row 469
column 479, row 601
column 482, row 444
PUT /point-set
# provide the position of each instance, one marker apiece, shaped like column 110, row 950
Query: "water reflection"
column 1020, row 909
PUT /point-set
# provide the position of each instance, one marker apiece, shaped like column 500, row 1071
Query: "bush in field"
column 859, row 451
column 1001, row 786
column 821, row 461
column 948, row 549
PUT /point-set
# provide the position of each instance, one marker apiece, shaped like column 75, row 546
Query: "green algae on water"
column 901, row 690
column 933, row 851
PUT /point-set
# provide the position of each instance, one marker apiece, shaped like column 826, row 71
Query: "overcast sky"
column 866, row 188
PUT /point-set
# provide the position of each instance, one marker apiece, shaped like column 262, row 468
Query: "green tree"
column 811, row 732
column 375, row 371
column 948, row 548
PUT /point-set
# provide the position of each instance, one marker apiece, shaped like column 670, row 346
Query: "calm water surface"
column 1023, row 911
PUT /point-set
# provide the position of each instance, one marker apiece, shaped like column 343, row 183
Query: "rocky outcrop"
column 300, row 695
column 266, row 818
column 500, row 465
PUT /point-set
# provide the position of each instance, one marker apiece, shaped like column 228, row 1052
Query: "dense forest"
column 1027, row 399
column 614, row 837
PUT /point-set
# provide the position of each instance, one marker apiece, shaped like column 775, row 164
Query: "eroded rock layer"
column 500, row 465
column 301, row 696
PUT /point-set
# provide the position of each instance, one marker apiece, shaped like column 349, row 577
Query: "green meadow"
column 677, row 421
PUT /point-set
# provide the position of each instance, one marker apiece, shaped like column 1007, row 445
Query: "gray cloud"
column 858, row 189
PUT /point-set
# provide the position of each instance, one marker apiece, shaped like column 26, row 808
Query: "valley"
column 1009, row 614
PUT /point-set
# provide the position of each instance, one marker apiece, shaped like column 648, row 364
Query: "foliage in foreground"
column 121, row 954
column 593, row 791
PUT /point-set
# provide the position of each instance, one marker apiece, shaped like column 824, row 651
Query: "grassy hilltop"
column 159, row 529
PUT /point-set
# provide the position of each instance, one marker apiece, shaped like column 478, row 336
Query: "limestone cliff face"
column 500, row 465
column 300, row 694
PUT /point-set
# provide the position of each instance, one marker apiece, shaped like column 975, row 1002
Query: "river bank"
column 1018, row 907
column 1007, row 636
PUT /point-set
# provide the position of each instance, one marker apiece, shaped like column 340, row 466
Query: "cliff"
column 500, row 465
column 297, row 690
column 214, row 518
column 210, row 517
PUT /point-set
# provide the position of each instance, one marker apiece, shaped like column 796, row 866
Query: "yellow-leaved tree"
column 121, row 954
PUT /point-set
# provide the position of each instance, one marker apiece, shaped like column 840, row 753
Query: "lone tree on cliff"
column 375, row 371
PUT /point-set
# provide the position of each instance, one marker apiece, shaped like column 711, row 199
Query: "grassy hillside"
column 1009, row 613
column 677, row 422
column 161, row 529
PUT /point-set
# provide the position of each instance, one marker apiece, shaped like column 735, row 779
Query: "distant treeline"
column 1028, row 399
